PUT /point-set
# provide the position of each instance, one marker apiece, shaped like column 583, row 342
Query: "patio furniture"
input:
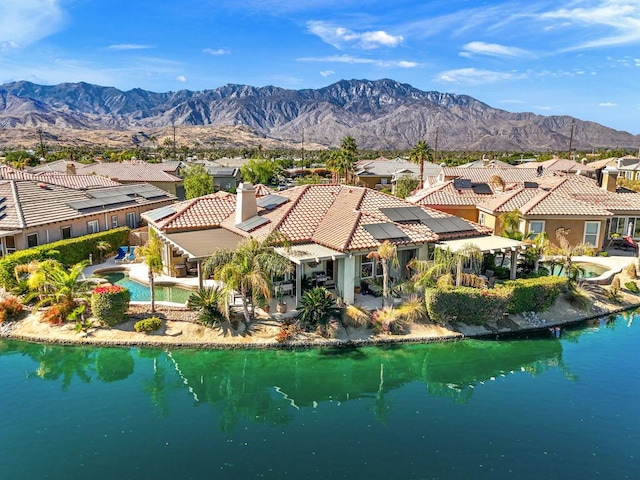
column 121, row 255
column 629, row 242
column 131, row 256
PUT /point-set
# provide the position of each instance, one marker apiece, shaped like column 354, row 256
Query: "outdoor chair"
column 121, row 255
column 131, row 256
column 629, row 242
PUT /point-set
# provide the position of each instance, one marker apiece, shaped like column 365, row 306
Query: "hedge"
column 147, row 325
column 109, row 304
column 69, row 252
column 533, row 294
column 467, row 305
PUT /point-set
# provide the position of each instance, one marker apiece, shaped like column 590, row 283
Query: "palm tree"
column 53, row 284
column 335, row 164
column 566, row 251
column 247, row 270
column 421, row 152
column 102, row 247
column 151, row 255
column 349, row 151
column 316, row 310
column 511, row 224
column 386, row 253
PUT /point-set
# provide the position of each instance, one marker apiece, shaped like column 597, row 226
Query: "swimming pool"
column 141, row 293
column 591, row 270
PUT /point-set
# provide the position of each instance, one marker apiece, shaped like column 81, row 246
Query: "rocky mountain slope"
column 381, row 114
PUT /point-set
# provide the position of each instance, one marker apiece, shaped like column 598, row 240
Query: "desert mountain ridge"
column 381, row 114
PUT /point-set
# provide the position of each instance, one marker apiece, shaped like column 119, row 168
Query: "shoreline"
column 180, row 331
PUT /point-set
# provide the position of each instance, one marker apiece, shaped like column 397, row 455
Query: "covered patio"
column 488, row 244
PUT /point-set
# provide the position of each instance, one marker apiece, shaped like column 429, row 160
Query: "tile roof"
column 30, row 203
column 558, row 165
column 129, row 172
column 330, row 215
column 478, row 175
column 57, row 178
column 447, row 194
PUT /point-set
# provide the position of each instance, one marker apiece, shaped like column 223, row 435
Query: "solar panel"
column 461, row 183
column 482, row 189
column 530, row 185
column 159, row 213
column 384, row 231
column 447, row 225
column 252, row 223
column 405, row 214
column 271, row 201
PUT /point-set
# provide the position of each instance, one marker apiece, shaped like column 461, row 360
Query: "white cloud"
column 326, row 73
column 350, row 59
column 619, row 18
column 475, row 76
column 607, row 104
column 216, row 51
column 128, row 46
column 513, row 101
column 492, row 49
column 340, row 37
column 181, row 78
column 23, row 22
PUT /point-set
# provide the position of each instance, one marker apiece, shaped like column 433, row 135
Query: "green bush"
column 109, row 304
column 533, row 294
column 69, row 252
column 632, row 287
column 467, row 305
column 147, row 325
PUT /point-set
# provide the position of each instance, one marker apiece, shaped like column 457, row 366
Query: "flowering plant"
column 102, row 289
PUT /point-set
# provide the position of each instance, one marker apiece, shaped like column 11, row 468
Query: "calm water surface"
column 527, row 409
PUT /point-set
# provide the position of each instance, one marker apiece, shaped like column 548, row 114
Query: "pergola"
column 488, row 244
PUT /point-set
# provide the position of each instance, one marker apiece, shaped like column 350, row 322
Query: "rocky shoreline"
column 180, row 329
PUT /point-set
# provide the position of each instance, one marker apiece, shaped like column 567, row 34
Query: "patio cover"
column 309, row 252
column 200, row 244
column 486, row 244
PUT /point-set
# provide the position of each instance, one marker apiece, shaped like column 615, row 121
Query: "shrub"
column 578, row 297
column 109, row 304
column 632, row 287
column 533, row 294
column 147, row 325
column 615, row 283
column 631, row 270
column 69, row 252
column 208, row 302
column 10, row 308
column 468, row 305
column 287, row 332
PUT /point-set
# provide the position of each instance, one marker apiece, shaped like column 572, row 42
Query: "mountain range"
column 382, row 114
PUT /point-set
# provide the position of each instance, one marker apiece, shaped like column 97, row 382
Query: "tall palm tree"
column 151, row 255
column 421, row 152
column 247, row 270
column 385, row 255
column 349, row 151
column 335, row 164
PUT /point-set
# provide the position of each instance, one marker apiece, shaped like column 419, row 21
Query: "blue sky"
column 579, row 58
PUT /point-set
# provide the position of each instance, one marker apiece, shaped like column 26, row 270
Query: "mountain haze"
column 382, row 114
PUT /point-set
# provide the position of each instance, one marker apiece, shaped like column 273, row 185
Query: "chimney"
column 246, row 206
column 71, row 169
column 609, row 178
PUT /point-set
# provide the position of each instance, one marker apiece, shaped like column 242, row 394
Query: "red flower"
column 102, row 289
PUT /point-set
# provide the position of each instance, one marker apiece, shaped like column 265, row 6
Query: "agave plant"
column 207, row 302
column 317, row 309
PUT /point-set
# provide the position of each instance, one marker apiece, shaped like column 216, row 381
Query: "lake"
column 526, row 408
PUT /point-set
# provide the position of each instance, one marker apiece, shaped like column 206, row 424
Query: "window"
column 131, row 220
column 591, row 231
column 366, row 270
column 93, row 226
column 66, row 232
column 617, row 225
column 32, row 240
column 481, row 218
column 10, row 244
column 535, row 227
column 114, row 221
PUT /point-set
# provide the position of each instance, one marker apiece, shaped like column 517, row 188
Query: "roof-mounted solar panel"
column 384, row 231
column 405, row 214
column 252, row 223
column 159, row 213
column 482, row 189
column 461, row 183
column 271, row 201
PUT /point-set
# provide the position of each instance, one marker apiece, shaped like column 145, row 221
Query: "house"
column 561, row 165
column 331, row 228
column 36, row 212
column 224, row 178
column 137, row 172
column 78, row 182
column 547, row 200
column 383, row 173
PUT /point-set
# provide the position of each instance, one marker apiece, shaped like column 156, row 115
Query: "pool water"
column 591, row 270
column 141, row 293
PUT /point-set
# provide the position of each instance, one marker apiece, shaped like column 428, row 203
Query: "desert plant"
column 317, row 309
column 209, row 303
column 412, row 310
column 388, row 320
column 631, row 270
column 10, row 308
column 632, row 286
column 287, row 332
column 147, row 325
column 355, row 317
column 615, row 283
column 578, row 297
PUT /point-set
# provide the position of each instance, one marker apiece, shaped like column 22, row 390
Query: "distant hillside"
column 381, row 114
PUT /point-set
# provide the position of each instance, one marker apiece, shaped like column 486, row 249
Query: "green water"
column 525, row 409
